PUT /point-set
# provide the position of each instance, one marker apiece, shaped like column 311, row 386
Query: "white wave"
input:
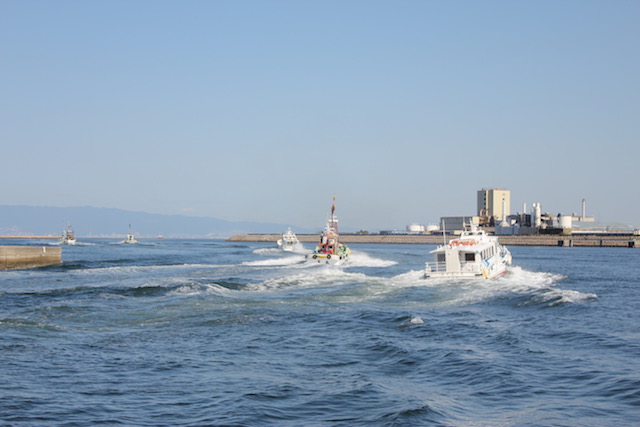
column 275, row 262
column 357, row 259
column 541, row 286
column 200, row 289
column 323, row 276
column 362, row 259
column 415, row 277
column 416, row 320
column 267, row 251
column 128, row 269
column 521, row 280
column 562, row 296
column 297, row 248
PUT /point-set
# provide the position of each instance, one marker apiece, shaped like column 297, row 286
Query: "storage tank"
column 415, row 228
column 565, row 221
column 432, row 228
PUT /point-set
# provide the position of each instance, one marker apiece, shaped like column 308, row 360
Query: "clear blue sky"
column 259, row 110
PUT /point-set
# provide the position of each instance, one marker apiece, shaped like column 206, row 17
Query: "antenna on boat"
column 444, row 237
column 333, row 223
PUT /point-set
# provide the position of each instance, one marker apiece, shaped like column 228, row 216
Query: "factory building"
column 494, row 205
column 538, row 222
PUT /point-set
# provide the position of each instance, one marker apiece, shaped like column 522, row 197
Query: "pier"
column 22, row 257
column 585, row 240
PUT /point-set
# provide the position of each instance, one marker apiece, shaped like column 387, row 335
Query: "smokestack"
column 584, row 209
column 504, row 210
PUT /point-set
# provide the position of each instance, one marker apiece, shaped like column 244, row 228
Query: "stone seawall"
column 20, row 257
column 627, row 241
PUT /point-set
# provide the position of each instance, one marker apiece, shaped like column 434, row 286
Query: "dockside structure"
column 591, row 240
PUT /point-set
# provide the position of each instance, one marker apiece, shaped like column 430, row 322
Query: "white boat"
column 130, row 238
column 330, row 250
column 473, row 254
column 288, row 241
column 68, row 236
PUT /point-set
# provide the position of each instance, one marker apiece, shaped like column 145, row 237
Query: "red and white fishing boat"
column 330, row 249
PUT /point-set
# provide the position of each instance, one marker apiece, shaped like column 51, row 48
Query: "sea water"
column 208, row 332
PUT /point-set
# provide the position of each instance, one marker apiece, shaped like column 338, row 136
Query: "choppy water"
column 208, row 332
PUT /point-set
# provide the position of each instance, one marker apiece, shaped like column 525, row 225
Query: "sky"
column 258, row 110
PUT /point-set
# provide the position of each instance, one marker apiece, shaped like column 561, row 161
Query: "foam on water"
column 416, row 320
column 356, row 259
column 363, row 259
column 268, row 251
column 201, row 289
column 322, row 276
column 274, row 262
column 542, row 287
column 297, row 248
column 129, row 269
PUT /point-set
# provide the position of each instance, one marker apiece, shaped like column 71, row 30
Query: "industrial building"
column 494, row 213
column 494, row 204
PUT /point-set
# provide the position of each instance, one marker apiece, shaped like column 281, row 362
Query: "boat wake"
column 276, row 262
column 356, row 259
column 543, row 287
column 362, row 259
column 268, row 251
column 322, row 277
column 531, row 288
column 297, row 249
column 189, row 289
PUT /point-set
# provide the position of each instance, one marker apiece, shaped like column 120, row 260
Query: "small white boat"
column 288, row 241
column 130, row 238
column 473, row 254
column 330, row 250
column 68, row 236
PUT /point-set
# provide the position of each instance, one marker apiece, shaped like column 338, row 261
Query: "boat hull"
column 286, row 246
column 323, row 258
column 288, row 241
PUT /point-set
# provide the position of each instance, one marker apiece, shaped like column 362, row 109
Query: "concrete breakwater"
column 47, row 237
column 592, row 240
column 21, row 257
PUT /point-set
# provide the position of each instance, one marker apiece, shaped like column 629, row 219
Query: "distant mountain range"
column 99, row 222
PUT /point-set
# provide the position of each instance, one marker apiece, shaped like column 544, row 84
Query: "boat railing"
column 465, row 266
column 437, row 267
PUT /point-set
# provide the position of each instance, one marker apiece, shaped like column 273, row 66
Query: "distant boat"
column 473, row 254
column 288, row 241
column 130, row 238
column 68, row 236
column 330, row 250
